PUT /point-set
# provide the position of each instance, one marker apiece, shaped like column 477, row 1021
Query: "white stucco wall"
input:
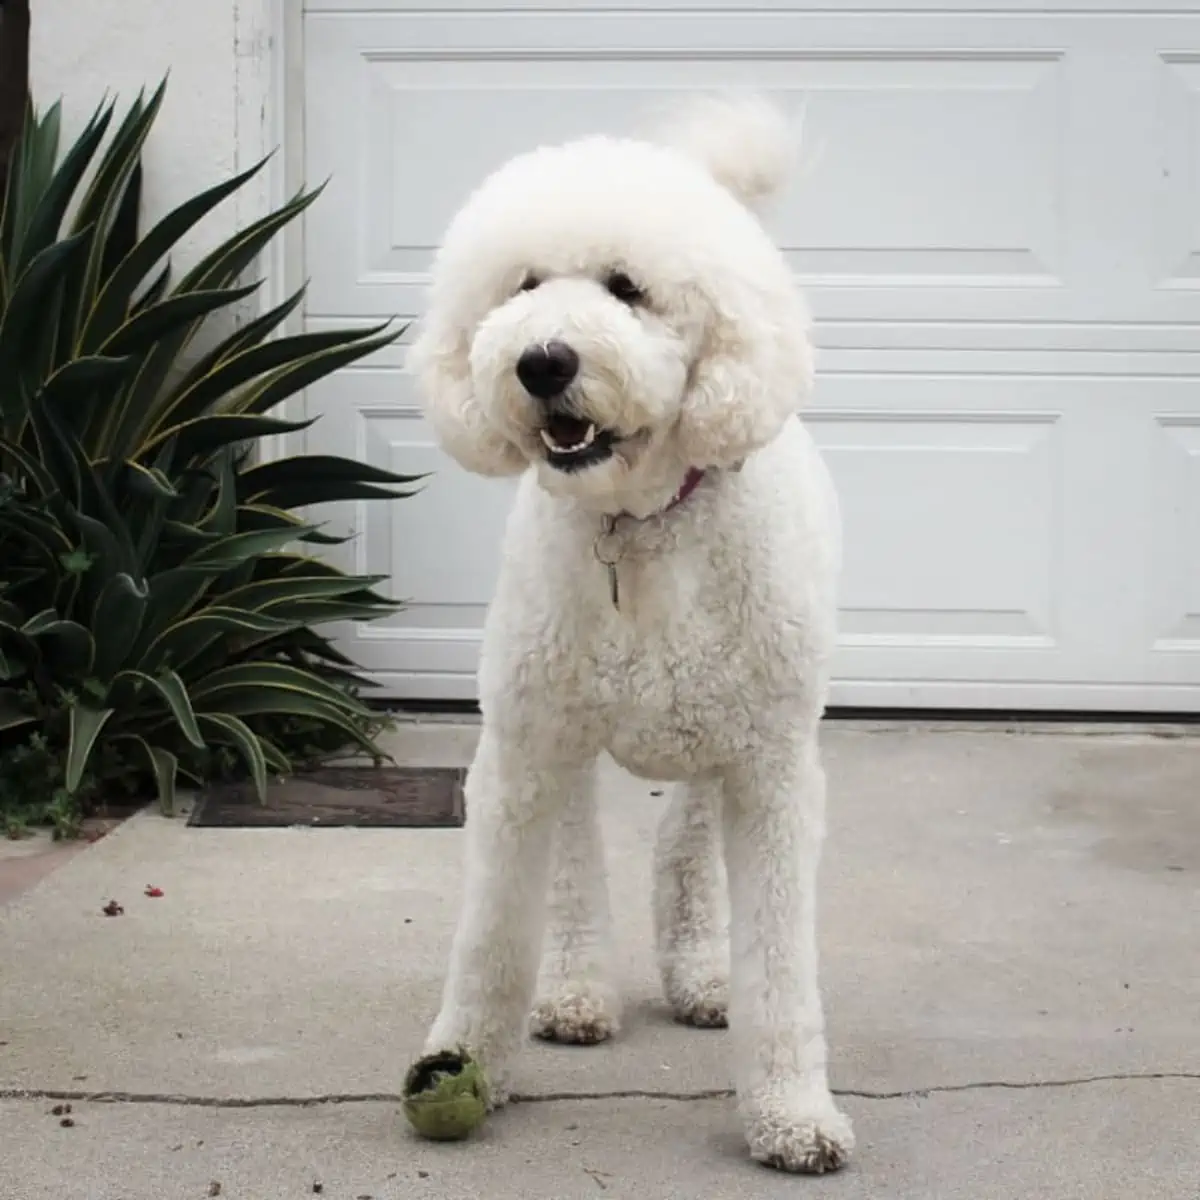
column 217, row 114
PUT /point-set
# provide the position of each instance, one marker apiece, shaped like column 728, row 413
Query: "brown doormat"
column 341, row 797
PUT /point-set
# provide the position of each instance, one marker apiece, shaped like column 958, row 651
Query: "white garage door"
column 1001, row 242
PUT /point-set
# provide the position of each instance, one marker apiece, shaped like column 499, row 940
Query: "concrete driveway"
column 1011, row 970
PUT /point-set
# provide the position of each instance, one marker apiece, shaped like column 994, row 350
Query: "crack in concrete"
column 235, row 1102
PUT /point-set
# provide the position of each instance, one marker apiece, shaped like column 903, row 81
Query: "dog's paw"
column 703, row 1003
column 578, row 1014
column 446, row 1041
column 810, row 1138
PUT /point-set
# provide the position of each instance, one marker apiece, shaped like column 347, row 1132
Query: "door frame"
column 269, row 73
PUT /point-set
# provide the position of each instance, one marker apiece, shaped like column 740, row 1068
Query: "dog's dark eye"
column 623, row 288
column 529, row 283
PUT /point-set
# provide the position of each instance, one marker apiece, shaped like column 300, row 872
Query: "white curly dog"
column 609, row 319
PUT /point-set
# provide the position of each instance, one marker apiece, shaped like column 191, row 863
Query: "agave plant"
column 158, row 595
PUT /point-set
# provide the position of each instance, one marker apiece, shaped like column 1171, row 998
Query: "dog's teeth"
column 588, row 438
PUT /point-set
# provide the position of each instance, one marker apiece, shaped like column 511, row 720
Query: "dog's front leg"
column 511, row 809
column 774, row 826
column 576, row 1000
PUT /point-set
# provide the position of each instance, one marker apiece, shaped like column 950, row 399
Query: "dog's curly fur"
column 712, row 670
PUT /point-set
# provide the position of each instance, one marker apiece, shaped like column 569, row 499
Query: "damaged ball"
column 445, row 1095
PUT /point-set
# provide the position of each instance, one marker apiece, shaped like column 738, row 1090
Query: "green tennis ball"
column 445, row 1095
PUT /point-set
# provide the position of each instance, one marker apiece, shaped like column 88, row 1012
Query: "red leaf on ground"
column 151, row 890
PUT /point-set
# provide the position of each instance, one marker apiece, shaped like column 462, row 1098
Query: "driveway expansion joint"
column 238, row 1102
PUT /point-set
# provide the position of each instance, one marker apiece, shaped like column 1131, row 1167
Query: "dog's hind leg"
column 690, row 909
column 576, row 1000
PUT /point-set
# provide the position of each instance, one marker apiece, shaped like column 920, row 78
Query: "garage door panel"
column 1174, row 538
column 1094, row 534
column 985, row 127
column 1177, row 260
column 440, row 548
column 950, row 519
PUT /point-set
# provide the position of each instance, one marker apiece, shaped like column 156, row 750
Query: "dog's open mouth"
column 574, row 442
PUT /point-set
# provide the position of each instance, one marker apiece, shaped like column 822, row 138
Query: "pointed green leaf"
column 169, row 316
column 314, row 644
column 105, row 198
column 325, row 612
column 19, row 650
column 31, row 467
column 56, row 451
column 35, row 530
column 276, row 760
column 107, row 553
column 123, row 230
column 149, row 482
column 66, row 645
column 217, row 269
column 263, row 592
column 151, row 294
column 173, row 595
column 117, row 619
column 265, row 676
column 181, row 642
column 244, row 336
column 30, row 170
column 46, row 220
column 85, row 727
column 277, row 355
column 116, row 296
column 242, row 546
column 221, row 518
column 29, row 302
column 248, row 702
column 165, row 767
column 81, row 376
column 293, row 377
column 231, row 258
column 106, row 201
column 175, row 693
column 311, row 475
column 226, row 728
column 200, row 436
column 12, row 714
column 117, row 162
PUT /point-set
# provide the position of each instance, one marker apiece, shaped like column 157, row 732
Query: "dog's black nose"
column 546, row 370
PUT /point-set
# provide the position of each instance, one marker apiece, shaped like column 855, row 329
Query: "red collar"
column 691, row 481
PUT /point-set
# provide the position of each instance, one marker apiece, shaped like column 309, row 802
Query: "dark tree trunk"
column 14, row 77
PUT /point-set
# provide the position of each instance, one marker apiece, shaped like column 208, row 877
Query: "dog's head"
column 612, row 312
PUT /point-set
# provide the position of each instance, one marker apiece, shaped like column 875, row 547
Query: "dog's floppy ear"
column 754, row 370
column 439, row 360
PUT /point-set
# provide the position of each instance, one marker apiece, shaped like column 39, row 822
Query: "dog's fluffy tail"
column 746, row 143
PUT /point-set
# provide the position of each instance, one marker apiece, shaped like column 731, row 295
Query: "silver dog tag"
column 608, row 553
